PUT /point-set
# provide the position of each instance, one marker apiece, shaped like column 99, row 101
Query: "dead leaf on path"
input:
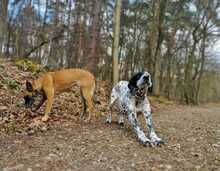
column 3, row 108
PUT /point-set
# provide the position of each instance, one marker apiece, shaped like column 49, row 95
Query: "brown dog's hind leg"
column 84, row 104
column 88, row 95
column 90, row 107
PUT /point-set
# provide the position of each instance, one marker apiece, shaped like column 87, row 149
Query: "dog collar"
column 139, row 93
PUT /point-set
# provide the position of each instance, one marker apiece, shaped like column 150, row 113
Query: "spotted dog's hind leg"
column 147, row 114
column 109, row 115
column 113, row 99
column 121, row 118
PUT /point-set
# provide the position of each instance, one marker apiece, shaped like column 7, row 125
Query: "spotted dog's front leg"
column 137, row 129
column 153, row 136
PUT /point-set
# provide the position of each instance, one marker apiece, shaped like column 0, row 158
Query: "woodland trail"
column 192, row 136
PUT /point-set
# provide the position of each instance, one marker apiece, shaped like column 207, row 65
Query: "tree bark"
column 117, row 16
column 93, row 59
column 3, row 23
column 155, row 41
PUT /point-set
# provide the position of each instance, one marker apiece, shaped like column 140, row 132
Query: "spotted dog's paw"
column 155, row 140
column 145, row 143
column 108, row 121
column 158, row 142
column 122, row 124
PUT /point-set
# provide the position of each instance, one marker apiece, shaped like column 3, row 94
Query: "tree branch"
column 43, row 43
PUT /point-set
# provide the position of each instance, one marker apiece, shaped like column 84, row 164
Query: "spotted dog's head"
column 140, row 80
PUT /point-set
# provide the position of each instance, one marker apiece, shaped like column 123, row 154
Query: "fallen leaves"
column 14, row 117
column 192, row 135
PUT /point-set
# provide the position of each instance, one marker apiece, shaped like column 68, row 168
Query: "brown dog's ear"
column 29, row 86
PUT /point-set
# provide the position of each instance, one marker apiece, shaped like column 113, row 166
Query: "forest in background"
column 172, row 39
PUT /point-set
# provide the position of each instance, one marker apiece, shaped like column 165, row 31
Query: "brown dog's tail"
column 95, row 97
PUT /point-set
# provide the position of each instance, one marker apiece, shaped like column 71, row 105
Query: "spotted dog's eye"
column 138, row 76
column 146, row 77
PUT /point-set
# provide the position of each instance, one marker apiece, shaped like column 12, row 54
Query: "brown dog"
column 52, row 83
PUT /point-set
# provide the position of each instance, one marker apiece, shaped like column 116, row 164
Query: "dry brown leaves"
column 14, row 117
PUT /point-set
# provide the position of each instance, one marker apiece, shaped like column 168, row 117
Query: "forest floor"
column 191, row 134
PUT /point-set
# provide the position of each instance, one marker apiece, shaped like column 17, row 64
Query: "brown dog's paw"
column 87, row 120
column 45, row 118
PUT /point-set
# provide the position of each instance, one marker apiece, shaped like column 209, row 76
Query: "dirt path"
column 192, row 136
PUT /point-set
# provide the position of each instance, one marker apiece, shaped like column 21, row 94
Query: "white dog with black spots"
column 130, row 97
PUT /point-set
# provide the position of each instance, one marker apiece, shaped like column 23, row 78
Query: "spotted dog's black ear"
column 29, row 86
column 150, row 89
column 132, row 85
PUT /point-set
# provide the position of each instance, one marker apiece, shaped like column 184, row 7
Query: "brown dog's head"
column 30, row 95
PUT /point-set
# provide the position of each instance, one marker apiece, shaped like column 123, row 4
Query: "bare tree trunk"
column 188, row 82
column 203, row 48
column 9, row 32
column 3, row 22
column 77, row 35
column 92, row 59
column 156, row 39
column 169, row 89
column 54, row 50
column 117, row 16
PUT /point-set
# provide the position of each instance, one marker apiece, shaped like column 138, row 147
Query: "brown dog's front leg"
column 41, row 102
column 50, row 97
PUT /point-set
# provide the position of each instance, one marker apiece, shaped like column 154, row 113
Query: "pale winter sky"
column 216, row 50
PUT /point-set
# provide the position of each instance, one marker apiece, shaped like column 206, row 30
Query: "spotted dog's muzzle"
column 140, row 92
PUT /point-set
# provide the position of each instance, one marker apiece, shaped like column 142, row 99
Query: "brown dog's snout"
column 28, row 100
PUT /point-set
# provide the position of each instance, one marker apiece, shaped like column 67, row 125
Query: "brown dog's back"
column 64, row 78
